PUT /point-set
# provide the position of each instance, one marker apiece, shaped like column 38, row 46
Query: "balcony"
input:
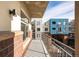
column 56, row 48
column 21, row 43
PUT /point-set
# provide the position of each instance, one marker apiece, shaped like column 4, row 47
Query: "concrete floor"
column 36, row 49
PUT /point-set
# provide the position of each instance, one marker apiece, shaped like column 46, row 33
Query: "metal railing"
column 62, row 50
column 57, row 48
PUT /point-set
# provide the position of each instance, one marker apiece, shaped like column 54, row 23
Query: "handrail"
column 68, row 50
column 62, row 49
column 63, row 44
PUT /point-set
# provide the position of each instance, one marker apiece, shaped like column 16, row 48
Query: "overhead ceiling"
column 36, row 8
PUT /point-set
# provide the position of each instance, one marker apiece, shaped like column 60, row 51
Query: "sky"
column 59, row 9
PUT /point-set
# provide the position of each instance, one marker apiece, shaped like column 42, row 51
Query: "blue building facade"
column 58, row 26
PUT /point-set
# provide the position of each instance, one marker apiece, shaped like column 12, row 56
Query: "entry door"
column 33, row 35
column 38, row 36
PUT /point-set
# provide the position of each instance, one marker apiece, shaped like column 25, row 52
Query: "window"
column 38, row 23
column 38, row 29
column 46, row 24
column 59, row 24
column 46, row 29
column 59, row 29
column 24, row 28
column 24, row 25
column 70, row 28
column 38, row 35
column 53, row 28
column 64, row 23
column 53, row 22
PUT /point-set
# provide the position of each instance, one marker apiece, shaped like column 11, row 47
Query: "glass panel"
column 23, row 29
column 53, row 22
column 53, row 28
column 38, row 29
column 46, row 29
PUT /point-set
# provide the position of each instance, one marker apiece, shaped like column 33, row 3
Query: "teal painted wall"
column 56, row 24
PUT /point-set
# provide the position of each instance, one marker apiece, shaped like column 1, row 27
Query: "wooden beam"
column 77, row 28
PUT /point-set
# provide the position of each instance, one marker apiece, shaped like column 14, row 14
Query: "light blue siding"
column 64, row 26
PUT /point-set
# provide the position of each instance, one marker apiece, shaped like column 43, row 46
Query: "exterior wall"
column 16, row 24
column 13, row 23
column 64, row 28
column 5, row 18
column 18, row 49
column 9, row 44
column 9, row 22
column 38, row 24
column 71, row 26
column 46, row 25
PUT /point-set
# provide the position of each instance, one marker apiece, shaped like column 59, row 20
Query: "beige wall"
column 6, row 20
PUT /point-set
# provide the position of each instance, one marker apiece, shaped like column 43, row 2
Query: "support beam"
column 77, row 28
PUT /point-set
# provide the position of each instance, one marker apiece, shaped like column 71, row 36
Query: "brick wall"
column 11, row 44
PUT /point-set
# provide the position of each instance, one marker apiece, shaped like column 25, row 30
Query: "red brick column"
column 11, row 44
column 18, row 44
column 30, row 34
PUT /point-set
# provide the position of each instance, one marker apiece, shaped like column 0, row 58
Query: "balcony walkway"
column 36, row 49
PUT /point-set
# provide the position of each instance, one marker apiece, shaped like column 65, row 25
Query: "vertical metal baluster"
column 62, row 53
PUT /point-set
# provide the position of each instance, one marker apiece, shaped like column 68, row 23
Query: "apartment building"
column 38, row 28
column 58, row 26
column 45, row 26
column 15, row 26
